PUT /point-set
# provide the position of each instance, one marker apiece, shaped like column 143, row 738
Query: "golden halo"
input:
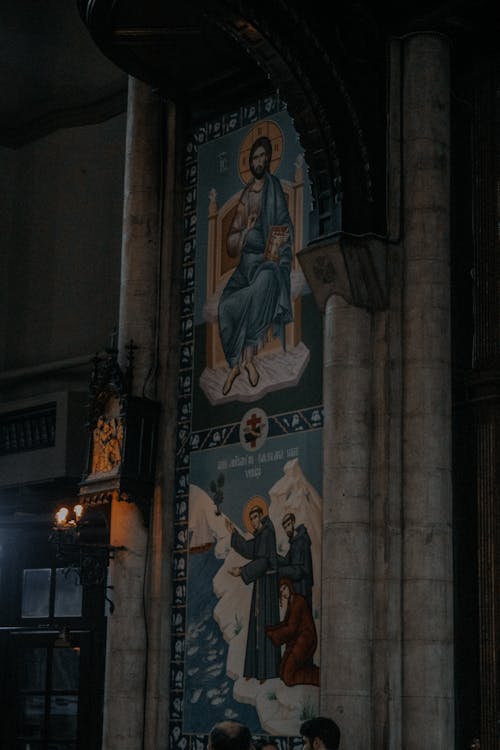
column 256, row 500
column 275, row 135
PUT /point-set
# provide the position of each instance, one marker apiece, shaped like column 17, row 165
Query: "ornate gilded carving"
column 122, row 436
column 107, row 443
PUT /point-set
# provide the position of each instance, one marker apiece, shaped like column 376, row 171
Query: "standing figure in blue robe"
column 262, row 657
column 297, row 564
column 256, row 301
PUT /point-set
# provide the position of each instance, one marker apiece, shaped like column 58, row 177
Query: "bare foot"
column 253, row 375
column 233, row 374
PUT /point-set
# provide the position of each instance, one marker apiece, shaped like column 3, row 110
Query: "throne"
column 220, row 267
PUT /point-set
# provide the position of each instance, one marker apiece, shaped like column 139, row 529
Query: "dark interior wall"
column 6, row 168
column 467, row 689
column 61, row 243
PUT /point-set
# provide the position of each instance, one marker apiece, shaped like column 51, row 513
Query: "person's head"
column 255, row 516
column 286, row 590
column 320, row 733
column 260, row 156
column 288, row 524
column 229, row 735
column 266, row 743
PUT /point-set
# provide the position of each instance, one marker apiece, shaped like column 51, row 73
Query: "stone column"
column 126, row 666
column 484, row 398
column 140, row 276
column 126, row 635
column 427, row 508
column 162, row 524
column 346, row 620
column 348, row 277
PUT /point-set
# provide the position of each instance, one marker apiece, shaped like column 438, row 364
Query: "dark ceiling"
column 54, row 71
column 51, row 72
column 185, row 47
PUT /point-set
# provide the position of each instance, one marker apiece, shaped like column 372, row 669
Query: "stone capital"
column 352, row 266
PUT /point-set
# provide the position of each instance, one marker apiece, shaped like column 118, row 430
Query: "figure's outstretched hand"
column 234, row 572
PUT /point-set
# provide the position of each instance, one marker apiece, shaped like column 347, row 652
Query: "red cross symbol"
column 253, row 423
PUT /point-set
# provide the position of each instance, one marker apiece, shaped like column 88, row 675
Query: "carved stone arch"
column 267, row 45
column 207, row 56
column 317, row 97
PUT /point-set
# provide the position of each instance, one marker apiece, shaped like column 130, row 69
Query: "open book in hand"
column 278, row 235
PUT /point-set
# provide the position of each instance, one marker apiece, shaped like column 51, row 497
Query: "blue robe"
column 257, row 294
column 297, row 564
column 262, row 657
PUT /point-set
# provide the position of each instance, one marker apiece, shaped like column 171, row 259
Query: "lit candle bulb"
column 62, row 516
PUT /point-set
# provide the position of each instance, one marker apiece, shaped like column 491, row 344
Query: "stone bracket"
column 352, row 266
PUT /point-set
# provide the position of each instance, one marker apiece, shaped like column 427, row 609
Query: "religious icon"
column 254, row 282
column 107, row 444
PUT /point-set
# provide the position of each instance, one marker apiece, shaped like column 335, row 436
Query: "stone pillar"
column 126, row 666
column 140, row 239
column 346, row 621
column 162, row 523
column 484, row 397
column 348, row 277
column 427, row 705
column 126, row 635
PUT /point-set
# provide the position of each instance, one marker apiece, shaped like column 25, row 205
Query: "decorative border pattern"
column 187, row 441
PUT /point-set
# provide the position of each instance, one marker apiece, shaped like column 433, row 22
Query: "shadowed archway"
column 212, row 58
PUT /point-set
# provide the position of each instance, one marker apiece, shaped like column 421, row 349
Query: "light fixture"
column 120, row 467
column 80, row 536
column 65, row 517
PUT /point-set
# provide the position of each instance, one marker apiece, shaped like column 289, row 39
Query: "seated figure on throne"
column 256, row 301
